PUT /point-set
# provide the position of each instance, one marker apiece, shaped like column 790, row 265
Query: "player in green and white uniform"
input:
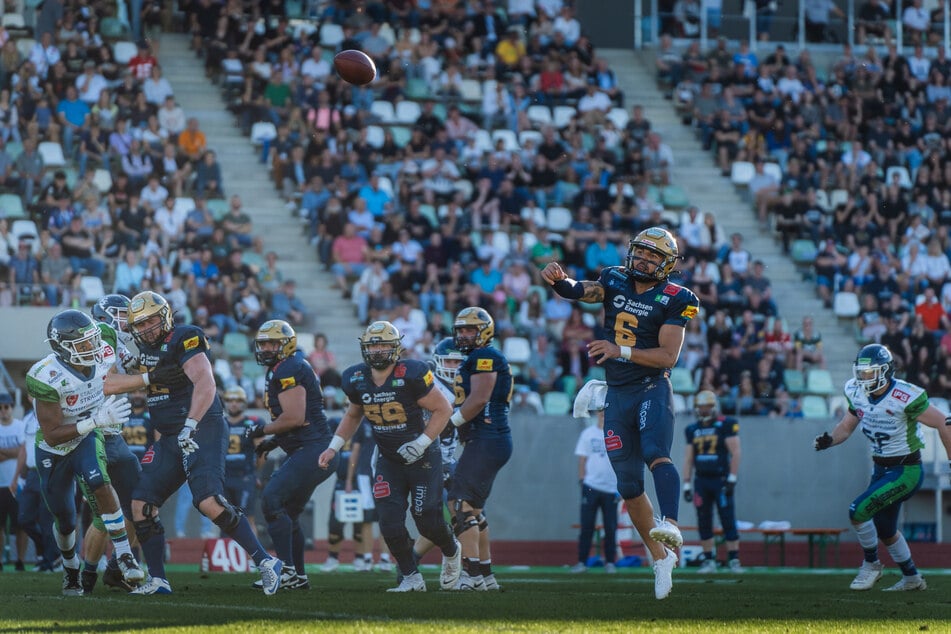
column 888, row 412
column 111, row 315
column 71, row 408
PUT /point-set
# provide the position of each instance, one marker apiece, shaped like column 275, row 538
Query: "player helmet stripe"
column 274, row 330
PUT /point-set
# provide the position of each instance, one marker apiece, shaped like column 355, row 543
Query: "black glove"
column 688, row 492
column 170, row 376
column 728, row 488
column 823, row 442
column 265, row 446
column 254, row 429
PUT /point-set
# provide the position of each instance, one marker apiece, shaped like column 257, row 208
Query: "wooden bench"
column 771, row 537
column 819, row 539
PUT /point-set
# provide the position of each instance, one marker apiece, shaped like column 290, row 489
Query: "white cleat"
column 578, row 568
column 469, row 583
column 130, row 569
column 362, row 565
column 707, row 567
column 869, row 573
column 154, row 585
column 384, row 566
column 663, row 574
column 736, row 567
column 667, row 534
column 490, row 583
column 451, row 569
column 410, row 583
column 330, row 565
column 914, row 582
column 610, row 569
column 271, row 569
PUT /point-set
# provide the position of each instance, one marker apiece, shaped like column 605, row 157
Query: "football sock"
column 667, row 487
column 115, row 525
column 485, row 567
column 243, row 534
column 297, row 548
column 67, row 547
column 471, row 566
column 733, row 554
column 368, row 557
column 900, row 552
column 154, row 550
column 709, row 555
column 280, row 529
column 90, row 566
column 868, row 540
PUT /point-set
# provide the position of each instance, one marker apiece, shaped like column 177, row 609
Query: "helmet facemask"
column 871, row 378
column 86, row 351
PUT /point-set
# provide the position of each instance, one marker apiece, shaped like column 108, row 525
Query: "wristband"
column 423, row 441
column 687, row 486
column 145, row 379
column 191, row 423
column 731, row 478
column 336, row 443
column 85, row 426
column 457, row 418
column 626, row 352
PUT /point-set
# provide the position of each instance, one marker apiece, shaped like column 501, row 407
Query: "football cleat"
column 270, row 570
column 913, row 582
column 330, row 565
column 663, row 574
column 129, row 568
column 869, row 573
column 610, row 568
column 490, row 583
column 451, row 569
column 72, row 587
column 88, row 579
column 113, row 578
column 468, row 583
column 736, row 567
column 154, row 585
column 384, row 566
column 578, row 567
column 708, row 566
column 410, row 583
column 362, row 565
column 298, row 582
column 667, row 534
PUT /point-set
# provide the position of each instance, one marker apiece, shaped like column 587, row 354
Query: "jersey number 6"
column 624, row 324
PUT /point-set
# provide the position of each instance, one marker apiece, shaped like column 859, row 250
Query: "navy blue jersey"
column 392, row 409
column 167, row 409
column 364, row 436
column 636, row 319
column 711, row 457
column 137, row 433
column 493, row 420
column 240, row 459
column 286, row 375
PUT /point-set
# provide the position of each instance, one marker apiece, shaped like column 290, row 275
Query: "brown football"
column 355, row 67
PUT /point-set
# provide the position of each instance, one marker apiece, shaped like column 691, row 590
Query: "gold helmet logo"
column 657, row 240
column 473, row 317
column 142, row 308
column 274, row 330
column 386, row 342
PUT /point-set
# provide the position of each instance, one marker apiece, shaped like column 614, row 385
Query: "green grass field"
column 535, row 600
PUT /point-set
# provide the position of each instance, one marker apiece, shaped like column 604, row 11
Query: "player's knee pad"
column 464, row 519
column 483, row 522
column 334, row 538
column 630, row 490
column 148, row 528
column 228, row 519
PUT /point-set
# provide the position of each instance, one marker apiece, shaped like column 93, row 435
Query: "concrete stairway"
column 245, row 176
column 695, row 171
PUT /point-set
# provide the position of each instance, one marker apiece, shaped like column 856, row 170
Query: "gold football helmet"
column 274, row 330
column 381, row 333
column 473, row 316
column 236, row 393
column 705, row 405
column 657, row 240
column 144, row 306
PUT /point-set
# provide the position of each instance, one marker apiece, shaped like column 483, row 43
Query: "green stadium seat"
column 674, row 197
column 794, row 381
column 556, row 403
column 237, row 345
column 682, row 381
column 819, row 381
column 814, row 406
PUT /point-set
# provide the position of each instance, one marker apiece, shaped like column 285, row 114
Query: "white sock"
column 899, row 551
column 868, row 536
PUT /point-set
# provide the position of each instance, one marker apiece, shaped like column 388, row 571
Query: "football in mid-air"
column 355, row 67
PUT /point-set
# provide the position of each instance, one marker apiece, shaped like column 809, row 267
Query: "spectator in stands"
column 808, row 345
column 55, row 274
column 208, row 179
column 156, row 88
column 287, row 306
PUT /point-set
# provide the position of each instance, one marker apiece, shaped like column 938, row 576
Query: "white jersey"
column 31, row 428
column 118, row 355
column 11, row 437
column 449, row 438
column 890, row 423
column 52, row 381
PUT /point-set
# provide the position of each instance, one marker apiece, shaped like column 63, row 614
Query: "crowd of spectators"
column 853, row 160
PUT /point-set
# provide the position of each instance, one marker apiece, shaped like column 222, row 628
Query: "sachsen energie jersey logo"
column 484, row 365
column 191, row 343
column 428, row 378
column 689, row 312
column 288, row 383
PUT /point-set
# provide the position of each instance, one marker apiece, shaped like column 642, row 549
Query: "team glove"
column 688, row 492
column 112, row 412
column 170, row 376
column 185, row 440
column 266, row 445
column 823, row 442
column 457, row 418
column 414, row 449
column 729, row 485
column 254, row 429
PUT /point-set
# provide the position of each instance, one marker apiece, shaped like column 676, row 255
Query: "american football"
column 355, row 67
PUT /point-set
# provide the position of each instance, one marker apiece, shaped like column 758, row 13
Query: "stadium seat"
column 24, row 230
column 904, row 178
column 559, row 219
column 386, row 32
column 839, row 197
column 822, row 199
column 682, row 381
column 184, row 205
column 429, row 212
column 846, row 305
column 263, row 131
column 102, row 179
column 375, row 135
column 534, row 135
column 539, row 115
column 627, row 190
column 595, row 373
column 794, row 381
column 819, row 381
column 383, row 111
column 237, row 345
column 563, row 115
column 305, row 342
column 91, row 288
column 803, row 254
column 52, row 154
column 814, row 406
column 25, row 46
column 13, row 21
column 619, row 117
column 465, row 187
column 14, row 149
column 112, row 29
column 674, row 197
column 517, row 349
column 508, row 138
column 774, row 170
column 680, row 405
column 417, row 89
column 218, row 207
column 385, row 184
column 11, row 207
column 407, row 112
column 331, row 35
column 124, row 51
column 401, row 135
column 483, row 141
column 556, row 403
column 741, row 173
column 470, row 90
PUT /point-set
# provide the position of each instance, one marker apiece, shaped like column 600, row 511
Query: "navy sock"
column 90, row 566
column 733, row 554
column 667, row 487
column 485, row 568
column 243, row 534
column 908, row 568
column 871, row 555
column 297, row 548
column 280, row 529
column 709, row 555
column 471, row 566
column 154, row 549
